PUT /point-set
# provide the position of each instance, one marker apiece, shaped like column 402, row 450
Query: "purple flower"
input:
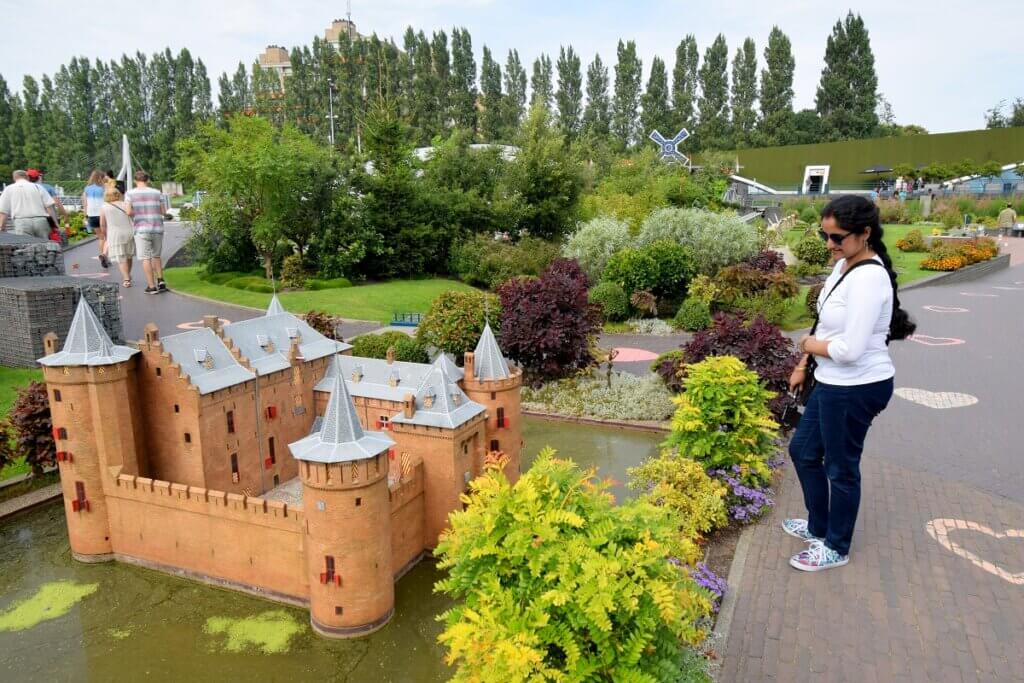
column 714, row 584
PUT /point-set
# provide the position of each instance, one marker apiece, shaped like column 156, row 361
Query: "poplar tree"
column 597, row 114
column 424, row 91
column 7, row 125
column 626, row 105
column 847, row 97
column 442, row 79
column 491, row 118
column 569, row 97
column 542, row 82
column 776, row 121
column 32, row 125
column 657, row 115
column 463, row 81
column 744, row 93
column 515, row 91
column 713, row 104
column 684, row 82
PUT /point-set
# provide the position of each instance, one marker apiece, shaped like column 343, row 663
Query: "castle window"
column 158, row 372
column 234, row 463
column 62, row 433
column 231, row 421
column 493, row 396
column 80, row 502
column 270, row 446
column 359, row 502
column 56, row 395
column 177, row 408
column 338, row 610
column 495, row 446
column 327, row 575
column 188, row 438
column 465, row 448
column 502, row 422
column 277, row 480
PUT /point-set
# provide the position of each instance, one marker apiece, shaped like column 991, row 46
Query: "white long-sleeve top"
column 855, row 322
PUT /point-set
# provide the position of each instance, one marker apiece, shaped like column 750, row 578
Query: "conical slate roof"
column 341, row 438
column 488, row 363
column 87, row 343
column 446, row 363
column 440, row 402
column 275, row 307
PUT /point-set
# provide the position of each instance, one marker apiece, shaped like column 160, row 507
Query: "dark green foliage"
column 847, row 96
column 744, row 93
column 632, row 269
column 515, row 91
column 293, row 273
column 486, row 262
column 597, row 115
column 657, row 115
column 492, row 116
column 407, row 349
column 569, row 96
column 611, row 298
column 812, row 249
column 626, row 105
column 713, row 104
column 455, row 321
column 694, row 315
column 777, row 90
column 462, row 83
column 684, row 83
column 662, row 268
column 542, row 83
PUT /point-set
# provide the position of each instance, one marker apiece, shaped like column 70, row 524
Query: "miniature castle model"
column 263, row 456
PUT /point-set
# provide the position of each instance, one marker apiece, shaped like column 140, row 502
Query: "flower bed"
column 946, row 256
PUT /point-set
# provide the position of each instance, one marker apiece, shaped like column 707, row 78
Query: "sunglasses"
column 836, row 239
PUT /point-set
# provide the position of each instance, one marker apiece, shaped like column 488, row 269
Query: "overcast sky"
column 941, row 64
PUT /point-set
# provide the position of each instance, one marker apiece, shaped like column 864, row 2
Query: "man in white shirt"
column 26, row 207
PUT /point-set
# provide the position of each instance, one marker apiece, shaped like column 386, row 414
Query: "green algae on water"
column 270, row 631
column 52, row 600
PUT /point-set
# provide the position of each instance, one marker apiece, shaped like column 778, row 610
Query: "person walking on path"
column 35, row 176
column 858, row 315
column 117, row 224
column 145, row 206
column 26, row 206
column 1007, row 220
column 92, row 204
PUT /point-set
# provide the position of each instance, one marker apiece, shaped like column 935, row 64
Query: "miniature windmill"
column 670, row 148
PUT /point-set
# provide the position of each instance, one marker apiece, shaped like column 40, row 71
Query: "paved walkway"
column 935, row 587
column 170, row 312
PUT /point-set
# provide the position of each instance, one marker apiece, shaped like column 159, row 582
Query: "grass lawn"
column 365, row 302
column 907, row 264
column 12, row 379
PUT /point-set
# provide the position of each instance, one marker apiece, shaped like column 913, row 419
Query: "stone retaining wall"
column 965, row 274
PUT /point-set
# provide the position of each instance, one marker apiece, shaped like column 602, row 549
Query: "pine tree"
column 744, row 93
column 684, row 83
column 463, row 80
column 597, row 114
column 569, row 97
column 515, row 91
column 847, row 96
column 542, row 82
column 491, row 118
column 776, row 121
column 657, row 115
column 626, row 104
column 713, row 104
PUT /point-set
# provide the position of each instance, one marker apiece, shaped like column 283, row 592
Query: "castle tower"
column 345, row 497
column 93, row 402
column 490, row 382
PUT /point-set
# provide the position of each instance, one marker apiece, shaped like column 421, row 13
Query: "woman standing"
column 858, row 314
column 117, row 225
column 92, row 202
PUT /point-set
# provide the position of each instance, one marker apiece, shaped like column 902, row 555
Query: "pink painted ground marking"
column 936, row 341
column 945, row 309
column 629, row 355
column 91, row 276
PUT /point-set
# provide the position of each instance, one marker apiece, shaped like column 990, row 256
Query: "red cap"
column 34, row 174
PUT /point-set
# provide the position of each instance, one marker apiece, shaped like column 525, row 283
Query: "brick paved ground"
column 906, row 607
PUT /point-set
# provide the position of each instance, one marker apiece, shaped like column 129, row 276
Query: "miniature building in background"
column 262, row 456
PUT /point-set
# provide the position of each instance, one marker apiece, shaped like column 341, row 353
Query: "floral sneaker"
column 817, row 557
column 798, row 529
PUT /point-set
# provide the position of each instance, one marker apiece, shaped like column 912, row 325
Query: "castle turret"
column 344, row 472
column 93, row 398
column 490, row 382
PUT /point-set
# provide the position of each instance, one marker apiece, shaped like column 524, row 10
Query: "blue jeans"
column 826, row 452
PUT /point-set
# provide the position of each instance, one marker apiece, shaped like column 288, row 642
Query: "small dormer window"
column 428, row 398
column 203, row 357
column 265, row 343
column 456, row 397
column 394, row 379
column 357, row 373
column 293, row 333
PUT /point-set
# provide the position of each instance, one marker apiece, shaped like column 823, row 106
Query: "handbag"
column 803, row 392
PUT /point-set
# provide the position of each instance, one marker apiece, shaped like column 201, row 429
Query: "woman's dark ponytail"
column 856, row 214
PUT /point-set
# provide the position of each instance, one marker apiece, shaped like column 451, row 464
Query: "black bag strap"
column 858, row 264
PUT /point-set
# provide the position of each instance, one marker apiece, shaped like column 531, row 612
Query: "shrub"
column 702, row 288
column 716, row 239
column 611, row 298
column 628, row 398
column 548, row 322
column 759, row 344
column 767, row 305
column 316, row 284
column 632, row 269
column 711, row 582
column 767, row 261
column 914, row 241
column 32, row 425
column 804, row 270
column 722, row 419
column 251, row 283
column 487, row 262
column 652, row 326
column 594, row 242
column 376, row 346
column 455, row 321
column 324, row 323
column 665, row 367
column 811, row 301
column 743, row 280
column 568, row 584
column 293, row 273
column 810, row 215
column 694, row 315
column 812, row 249
column 661, row 268
column 644, row 303
column 746, row 503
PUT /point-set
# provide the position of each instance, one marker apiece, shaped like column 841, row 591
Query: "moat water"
column 61, row 620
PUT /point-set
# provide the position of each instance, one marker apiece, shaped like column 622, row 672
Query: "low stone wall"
column 965, row 274
column 22, row 256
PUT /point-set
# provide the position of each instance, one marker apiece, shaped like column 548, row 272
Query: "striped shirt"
column 147, row 210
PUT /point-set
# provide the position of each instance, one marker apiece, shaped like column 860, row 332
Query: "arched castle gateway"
column 264, row 457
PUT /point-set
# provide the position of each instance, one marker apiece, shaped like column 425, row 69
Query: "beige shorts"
column 148, row 245
column 35, row 226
